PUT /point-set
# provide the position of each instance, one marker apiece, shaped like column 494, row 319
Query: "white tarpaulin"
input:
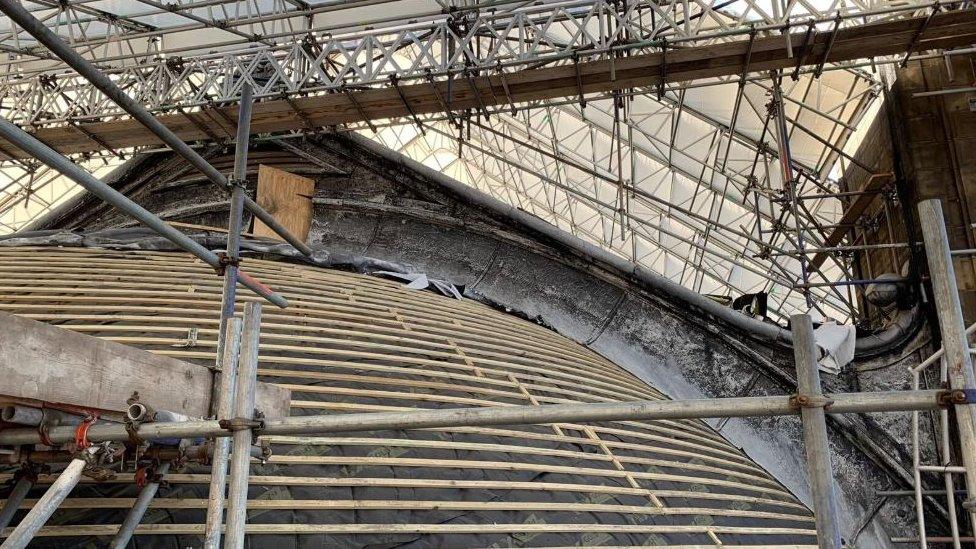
column 837, row 343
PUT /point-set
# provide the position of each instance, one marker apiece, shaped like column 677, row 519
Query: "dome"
column 357, row 343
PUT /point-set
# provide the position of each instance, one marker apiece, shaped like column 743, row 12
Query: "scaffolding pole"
column 240, row 458
column 811, row 399
column 641, row 410
column 16, row 12
column 790, row 183
column 16, row 497
column 138, row 510
column 955, row 343
column 225, row 405
column 222, row 403
column 45, row 507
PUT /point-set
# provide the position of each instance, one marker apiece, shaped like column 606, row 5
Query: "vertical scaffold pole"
column 45, row 507
column 811, row 399
column 955, row 343
column 240, row 458
column 138, row 510
column 222, row 403
column 17, row 496
column 218, row 468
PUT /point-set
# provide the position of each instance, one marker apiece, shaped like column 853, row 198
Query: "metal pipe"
column 765, row 406
column 45, row 507
column 225, row 404
column 946, row 91
column 819, row 468
column 27, row 415
column 240, row 459
column 15, row 499
column 16, row 12
column 22, row 415
column 950, row 485
column 917, row 474
column 234, row 222
column 938, row 354
column 954, row 339
column 27, row 143
column 857, row 282
column 956, row 469
column 223, row 396
column 138, row 510
column 790, row 184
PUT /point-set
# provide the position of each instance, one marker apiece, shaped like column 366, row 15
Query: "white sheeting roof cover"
column 682, row 184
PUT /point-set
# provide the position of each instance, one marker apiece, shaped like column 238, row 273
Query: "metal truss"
column 185, row 63
column 683, row 179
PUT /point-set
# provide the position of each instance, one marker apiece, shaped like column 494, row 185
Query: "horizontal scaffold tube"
column 764, row 406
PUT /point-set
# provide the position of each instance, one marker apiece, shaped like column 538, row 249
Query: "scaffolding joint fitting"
column 240, row 424
column 956, row 396
column 224, row 260
column 799, row 401
column 235, row 182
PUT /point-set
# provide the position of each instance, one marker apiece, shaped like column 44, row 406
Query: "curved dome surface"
column 354, row 343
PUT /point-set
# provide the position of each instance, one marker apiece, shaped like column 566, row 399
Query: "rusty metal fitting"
column 798, row 401
column 240, row 424
column 956, row 396
column 224, row 260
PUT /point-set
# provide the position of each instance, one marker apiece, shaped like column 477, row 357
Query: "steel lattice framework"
column 685, row 179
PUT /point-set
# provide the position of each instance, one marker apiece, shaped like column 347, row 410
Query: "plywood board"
column 287, row 197
column 43, row 362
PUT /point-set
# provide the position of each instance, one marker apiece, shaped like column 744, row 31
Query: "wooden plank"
column 44, row 362
column 414, row 529
column 47, row 363
column 445, row 484
column 288, row 198
column 947, row 29
column 851, row 214
column 425, row 505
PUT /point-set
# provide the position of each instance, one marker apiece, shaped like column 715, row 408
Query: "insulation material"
column 353, row 343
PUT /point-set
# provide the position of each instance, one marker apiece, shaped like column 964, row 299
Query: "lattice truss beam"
column 682, row 180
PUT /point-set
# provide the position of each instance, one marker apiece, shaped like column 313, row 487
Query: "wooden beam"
column 851, row 214
column 44, row 363
column 948, row 29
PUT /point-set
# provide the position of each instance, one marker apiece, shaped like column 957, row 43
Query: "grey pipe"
column 22, row 415
column 225, row 405
column 645, row 410
column 16, row 12
column 138, row 510
column 240, row 459
column 815, row 442
column 45, row 507
column 52, row 158
column 15, row 499
column 27, row 415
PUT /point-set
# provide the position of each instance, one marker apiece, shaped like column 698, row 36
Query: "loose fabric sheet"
column 836, row 342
